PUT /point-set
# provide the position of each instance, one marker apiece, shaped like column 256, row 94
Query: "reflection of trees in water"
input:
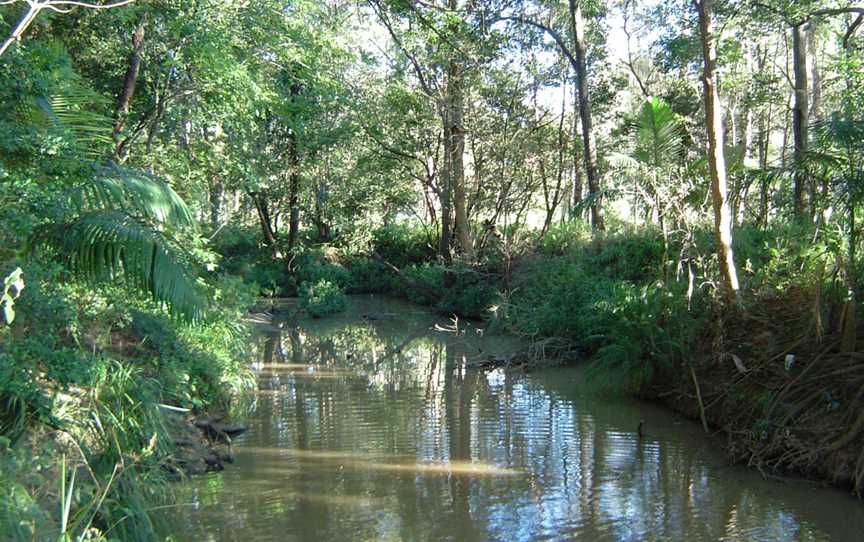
column 407, row 394
column 458, row 395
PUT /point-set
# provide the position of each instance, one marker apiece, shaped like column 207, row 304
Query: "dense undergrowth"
column 324, row 275
column 87, row 377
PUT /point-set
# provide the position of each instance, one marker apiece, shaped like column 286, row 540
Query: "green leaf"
column 111, row 245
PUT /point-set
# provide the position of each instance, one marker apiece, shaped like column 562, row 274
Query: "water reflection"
column 377, row 429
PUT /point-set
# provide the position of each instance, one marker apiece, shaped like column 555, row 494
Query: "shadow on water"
column 369, row 426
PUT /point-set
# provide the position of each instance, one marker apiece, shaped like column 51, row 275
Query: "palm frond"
column 840, row 132
column 112, row 245
column 135, row 192
column 659, row 134
column 75, row 107
column 624, row 161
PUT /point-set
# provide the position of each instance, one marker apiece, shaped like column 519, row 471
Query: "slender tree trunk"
column 320, row 205
column 293, row 192
column 589, row 150
column 716, row 158
column 455, row 103
column 800, row 116
column 815, row 75
column 216, row 190
column 446, row 186
column 259, row 200
column 124, row 99
column 815, row 110
column 578, row 184
column 764, row 128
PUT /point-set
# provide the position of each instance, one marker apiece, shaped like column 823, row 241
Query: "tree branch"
column 379, row 11
column 548, row 30
column 53, row 5
column 851, row 30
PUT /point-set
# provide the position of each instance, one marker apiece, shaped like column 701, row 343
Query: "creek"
column 371, row 425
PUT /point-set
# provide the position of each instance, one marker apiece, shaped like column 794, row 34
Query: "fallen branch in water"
column 546, row 352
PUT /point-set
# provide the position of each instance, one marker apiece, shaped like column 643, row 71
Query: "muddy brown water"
column 373, row 429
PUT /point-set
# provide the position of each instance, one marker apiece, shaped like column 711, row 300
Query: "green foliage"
column 426, row 281
column 314, row 268
column 105, row 245
column 22, row 401
column 103, row 221
column 603, row 296
column 659, row 134
column 403, row 244
column 21, row 515
column 646, row 332
column 471, row 294
column 243, row 254
column 634, row 256
column 370, row 276
column 106, row 360
column 564, row 237
column 556, row 297
column 322, row 298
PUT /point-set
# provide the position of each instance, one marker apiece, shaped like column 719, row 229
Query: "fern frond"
column 136, row 193
column 111, row 245
column 75, row 107
column 840, row 132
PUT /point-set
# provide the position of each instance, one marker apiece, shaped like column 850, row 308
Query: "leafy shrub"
column 370, row 276
column 312, row 269
column 270, row 276
column 470, row 295
column 21, row 516
column 633, row 332
column 424, row 280
column 322, row 298
column 200, row 365
column 245, row 256
column 646, row 331
column 555, row 297
column 635, row 256
column 403, row 244
column 564, row 238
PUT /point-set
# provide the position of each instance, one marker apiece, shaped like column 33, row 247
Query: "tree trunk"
column 259, row 200
column 216, row 190
column 446, row 186
column 320, row 205
column 589, row 150
column 455, row 105
column 815, row 76
column 293, row 192
column 716, row 158
column 800, row 116
column 124, row 99
column 578, row 184
column 553, row 199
